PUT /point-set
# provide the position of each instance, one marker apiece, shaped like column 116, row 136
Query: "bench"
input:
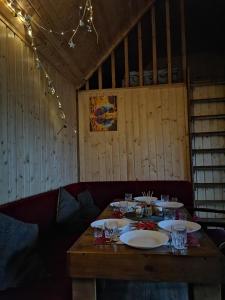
column 41, row 209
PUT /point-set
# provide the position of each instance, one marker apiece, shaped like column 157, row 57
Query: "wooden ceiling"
column 112, row 19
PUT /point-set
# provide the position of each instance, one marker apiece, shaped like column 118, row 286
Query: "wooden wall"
column 33, row 158
column 151, row 141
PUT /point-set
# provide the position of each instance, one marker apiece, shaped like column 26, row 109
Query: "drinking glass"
column 139, row 210
column 174, row 199
column 165, row 198
column 98, row 232
column 128, row 197
column 111, row 230
column 169, row 213
column 179, row 236
column 123, row 207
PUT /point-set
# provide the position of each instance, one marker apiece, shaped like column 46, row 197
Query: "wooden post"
column 84, row 289
column 183, row 41
column 100, row 78
column 154, row 47
column 87, row 85
column 113, row 69
column 140, row 62
column 168, row 42
column 126, row 61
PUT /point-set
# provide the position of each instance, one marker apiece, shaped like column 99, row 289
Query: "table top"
column 118, row 261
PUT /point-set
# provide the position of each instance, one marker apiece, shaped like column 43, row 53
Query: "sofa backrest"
column 39, row 209
column 106, row 191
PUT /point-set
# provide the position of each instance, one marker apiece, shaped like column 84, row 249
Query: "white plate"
column 128, row 204
column 191, row 226
column 100, row 223
column 146, row 199
column 144, row 239
column 168, row 204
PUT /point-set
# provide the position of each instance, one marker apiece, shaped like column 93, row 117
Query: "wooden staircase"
column 207, row 134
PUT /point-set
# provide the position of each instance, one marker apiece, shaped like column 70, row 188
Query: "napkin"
column 149, row 225
column 192, row 240
column 101, row 241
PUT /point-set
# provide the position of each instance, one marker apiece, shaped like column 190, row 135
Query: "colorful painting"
column 103, row 113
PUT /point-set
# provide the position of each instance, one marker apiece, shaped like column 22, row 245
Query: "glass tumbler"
column 179, row 236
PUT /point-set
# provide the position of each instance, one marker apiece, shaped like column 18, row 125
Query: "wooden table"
column 201, row 266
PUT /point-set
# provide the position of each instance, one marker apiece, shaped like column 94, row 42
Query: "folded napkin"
column 149, row 225
column 117, row 214
column 192, row 240
column 101, row 241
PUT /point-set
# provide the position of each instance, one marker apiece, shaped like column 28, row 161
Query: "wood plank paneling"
column 151, row 141
column 33, row 157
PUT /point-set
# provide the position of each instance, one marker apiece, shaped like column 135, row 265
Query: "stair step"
column 210, row 133
column 209, row 202
column 204, row 151
column 199, row 168
column 209, row 184
column 208, row 100
column 208, row 117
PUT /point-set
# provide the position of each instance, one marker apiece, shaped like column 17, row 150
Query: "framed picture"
column 103, row 113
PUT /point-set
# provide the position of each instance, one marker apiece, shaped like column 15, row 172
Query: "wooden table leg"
column 207, row 292
column 84, row 289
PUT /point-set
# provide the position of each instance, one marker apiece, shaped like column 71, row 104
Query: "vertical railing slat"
column 168, row 42
column 113, row 71
column 183, row 41
column 126, row 62
column 100, row 77
column 154, row 46
column 140, row 61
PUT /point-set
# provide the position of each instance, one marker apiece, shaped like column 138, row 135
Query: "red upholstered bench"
column 41, row 209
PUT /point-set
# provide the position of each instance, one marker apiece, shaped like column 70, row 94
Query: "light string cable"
column 86, row 20
column 26, row 19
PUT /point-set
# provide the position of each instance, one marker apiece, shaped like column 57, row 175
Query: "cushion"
column 69, row 216
column 19, row 263
column 88, row 209
column 67, row 206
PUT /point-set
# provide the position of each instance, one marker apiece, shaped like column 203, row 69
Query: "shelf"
column 208, row 117
column 210, row 133
column 210, row 100
column 209, row 184
column 206, row 168
column 209, row 202
column 205, row 151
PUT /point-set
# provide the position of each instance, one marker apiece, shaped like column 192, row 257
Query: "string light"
column 86, row 21
column 26, row 19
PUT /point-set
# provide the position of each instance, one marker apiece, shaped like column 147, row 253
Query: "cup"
column 179, row 236
column 128, row 197
column 111, row 230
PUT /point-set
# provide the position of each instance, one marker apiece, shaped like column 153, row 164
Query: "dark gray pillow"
column 68, row 206
column 88, row 208
column 69, row 216
column 19, row 264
